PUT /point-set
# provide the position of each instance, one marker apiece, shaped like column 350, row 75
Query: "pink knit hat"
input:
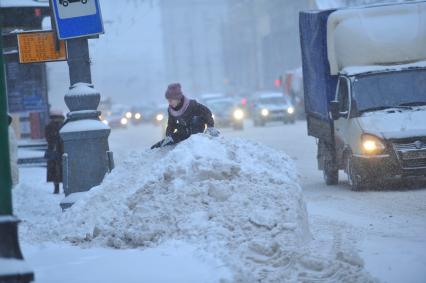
column 174, row 91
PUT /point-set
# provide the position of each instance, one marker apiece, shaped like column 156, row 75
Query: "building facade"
column 192, row 42
column 261, row 42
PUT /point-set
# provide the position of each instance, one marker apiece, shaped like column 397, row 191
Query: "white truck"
column 365, row 90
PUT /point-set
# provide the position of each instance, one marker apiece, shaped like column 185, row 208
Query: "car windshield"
column 273, row 100
column 396, row 89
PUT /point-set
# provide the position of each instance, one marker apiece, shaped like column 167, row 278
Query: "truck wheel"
column 331, row 174
column 357, row 181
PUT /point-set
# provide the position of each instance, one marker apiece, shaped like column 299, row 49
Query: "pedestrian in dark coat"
column 186, row 117
column 54, row 150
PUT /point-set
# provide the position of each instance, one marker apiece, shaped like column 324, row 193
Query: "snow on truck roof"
column 376, row 35
column 356, row 70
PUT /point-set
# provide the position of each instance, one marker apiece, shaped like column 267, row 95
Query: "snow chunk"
column 82, row 89
column 24, row 3
column 11, row 266
column 355, row 70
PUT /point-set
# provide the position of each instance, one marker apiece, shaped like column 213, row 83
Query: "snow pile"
column 238, row 200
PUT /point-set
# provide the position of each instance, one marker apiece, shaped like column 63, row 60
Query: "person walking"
column 54, row 149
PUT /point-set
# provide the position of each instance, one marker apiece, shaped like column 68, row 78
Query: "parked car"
column 272, row 106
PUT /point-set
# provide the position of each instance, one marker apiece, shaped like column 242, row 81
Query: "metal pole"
column 79, row 61
column 9, row 241
column 5, row 175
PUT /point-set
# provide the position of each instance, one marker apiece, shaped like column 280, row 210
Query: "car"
column 272, row 106
column 141, row 114
column 115, row 119
column 65, row 3
column 226, row 113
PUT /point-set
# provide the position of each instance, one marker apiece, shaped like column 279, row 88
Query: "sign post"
column 86, row 151
column 77, row 18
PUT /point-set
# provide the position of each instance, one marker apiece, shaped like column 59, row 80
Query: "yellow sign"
column 36, row 47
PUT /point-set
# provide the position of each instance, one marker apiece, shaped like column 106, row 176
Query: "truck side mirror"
column 334, row 110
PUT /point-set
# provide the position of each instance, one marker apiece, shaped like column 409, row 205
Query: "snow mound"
column 237, row 199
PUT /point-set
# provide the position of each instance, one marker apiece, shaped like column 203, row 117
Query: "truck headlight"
column 105, row 122
column 138, row 116
column 372, row 145
column 238, row 114
column 264, row 112
column 159, row 117
column 290, row 110
column 123, row 121
column 129, row 115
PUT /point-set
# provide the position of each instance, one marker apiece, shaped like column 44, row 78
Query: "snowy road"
column 388, row 226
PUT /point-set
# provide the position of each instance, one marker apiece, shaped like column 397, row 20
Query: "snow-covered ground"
column 222, row 227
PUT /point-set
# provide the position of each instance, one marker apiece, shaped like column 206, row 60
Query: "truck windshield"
column 393, row 89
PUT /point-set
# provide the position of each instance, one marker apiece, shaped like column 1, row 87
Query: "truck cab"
column 365, row 107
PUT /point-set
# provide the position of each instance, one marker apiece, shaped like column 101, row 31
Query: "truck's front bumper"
column 384, row 166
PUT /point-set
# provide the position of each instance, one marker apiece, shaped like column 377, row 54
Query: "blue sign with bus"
column 77, row 18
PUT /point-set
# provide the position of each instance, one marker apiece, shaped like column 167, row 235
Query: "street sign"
column 77, row 18
column 36, row 47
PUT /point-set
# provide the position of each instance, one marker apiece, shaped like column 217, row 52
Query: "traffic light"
column 278, row 82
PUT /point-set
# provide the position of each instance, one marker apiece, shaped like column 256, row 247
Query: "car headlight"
column 238, row 114
column 159, row 117
column 129, row 115
column 264, row 112
column 123, row 121
column 138, row 116
column 290, row 110
column 105, row 122
column 371, row 145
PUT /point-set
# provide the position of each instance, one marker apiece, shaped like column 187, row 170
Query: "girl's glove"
column 212, row 131
column 168, row 140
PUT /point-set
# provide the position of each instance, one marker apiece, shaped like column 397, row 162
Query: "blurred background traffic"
column 241, row 58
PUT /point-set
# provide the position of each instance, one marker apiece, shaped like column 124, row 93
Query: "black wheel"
column 65, row 3
column 331, row 174
column 84, row 1
column 356, row 180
